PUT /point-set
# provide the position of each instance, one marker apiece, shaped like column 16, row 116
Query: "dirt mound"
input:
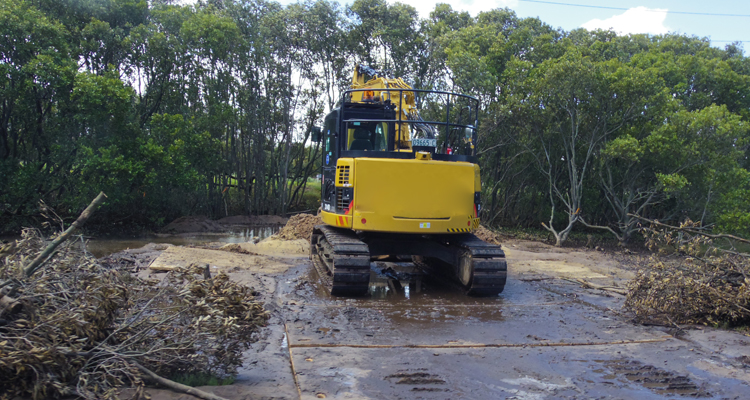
column 299, row 226
column 193, row 224
column 235, row 248
column 487, row 235
column 253, row 220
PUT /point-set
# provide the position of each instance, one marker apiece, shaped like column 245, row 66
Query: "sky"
column 630, row 16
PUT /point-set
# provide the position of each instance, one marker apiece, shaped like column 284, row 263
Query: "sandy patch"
column 558, row 268
column 218, row 260
column 276, row 247
column 535, row 259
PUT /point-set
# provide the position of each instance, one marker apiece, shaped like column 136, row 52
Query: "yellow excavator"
column 395, row 183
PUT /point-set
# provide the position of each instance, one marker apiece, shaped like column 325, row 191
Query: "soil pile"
column 487, row 235
column 299, row 226
column 79, row 328
column 235, row 248
column 193, row 224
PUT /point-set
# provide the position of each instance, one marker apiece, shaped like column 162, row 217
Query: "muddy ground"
column 418, row 337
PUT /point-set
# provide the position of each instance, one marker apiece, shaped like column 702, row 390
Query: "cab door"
column 330, row 156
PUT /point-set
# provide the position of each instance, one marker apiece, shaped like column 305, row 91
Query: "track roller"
column 341, row 259
column 479, row 267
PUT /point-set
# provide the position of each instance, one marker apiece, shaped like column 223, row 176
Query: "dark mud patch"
column 656, row 379
column 415, row 378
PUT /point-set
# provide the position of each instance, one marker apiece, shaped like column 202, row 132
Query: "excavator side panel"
column 414, row 196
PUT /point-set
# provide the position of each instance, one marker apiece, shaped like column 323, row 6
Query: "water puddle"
column 101, row 247
column 284, row 342
column 401, row 292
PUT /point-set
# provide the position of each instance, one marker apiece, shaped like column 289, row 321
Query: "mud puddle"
column 403, row 293
column 101, row 247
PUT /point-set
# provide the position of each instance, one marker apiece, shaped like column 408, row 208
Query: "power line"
column 625, row 9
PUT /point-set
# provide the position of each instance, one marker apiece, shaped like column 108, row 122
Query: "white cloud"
column 634, row 20
column 474, row 7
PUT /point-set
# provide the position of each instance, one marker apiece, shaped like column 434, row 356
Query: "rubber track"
column 342, row 260
column 489, row 271
column 490, row 268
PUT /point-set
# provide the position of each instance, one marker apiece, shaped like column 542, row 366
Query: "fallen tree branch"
column 10, row 304
column 692, row 231
column 177, row 386
column 41, row 258
column 590, row 285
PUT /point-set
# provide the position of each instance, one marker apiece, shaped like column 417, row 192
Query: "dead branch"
column 590, row 285
column 178, row 387
column 606, row 228
column 691, row 231
column 10, row 304
column 41, row 258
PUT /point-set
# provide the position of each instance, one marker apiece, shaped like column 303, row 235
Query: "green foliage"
column 207, row 108
column 672, row 182
column 624, row 147
column 732, row 207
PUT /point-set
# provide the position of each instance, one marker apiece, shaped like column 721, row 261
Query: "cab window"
column 367, row 136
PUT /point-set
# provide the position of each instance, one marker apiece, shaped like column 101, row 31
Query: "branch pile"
column 690, row 280
column 80, row 328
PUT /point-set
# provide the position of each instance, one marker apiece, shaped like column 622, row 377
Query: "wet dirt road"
column 544, row 337
column 537, row 340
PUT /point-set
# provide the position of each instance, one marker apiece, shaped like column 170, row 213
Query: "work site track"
column 342, row 260
column 489, row 268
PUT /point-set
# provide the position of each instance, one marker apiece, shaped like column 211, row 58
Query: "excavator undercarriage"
column 342, row 258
